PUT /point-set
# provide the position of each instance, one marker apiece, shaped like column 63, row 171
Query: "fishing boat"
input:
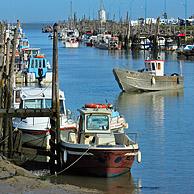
column 36, row 130
column 38, row 69
column 71, row 42
column 151, row 78
column 94, row 148
column 186, row 52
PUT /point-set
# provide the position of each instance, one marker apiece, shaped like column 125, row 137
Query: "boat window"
column 44, row 63
column 21, row 104
column 61, row 107
column 48, row 104
column 25, row 43
column 97, row 122
column 148, row 67
column 32, row 63
column 33, row 103
column 159, row 66
column 40, row 63
column 17, row 96
column 36, row 65
column 153, row 66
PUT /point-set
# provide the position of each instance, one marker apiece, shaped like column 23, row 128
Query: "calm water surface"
column 163, row 120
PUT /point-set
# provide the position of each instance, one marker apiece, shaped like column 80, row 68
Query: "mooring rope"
column 4, row 139
column 71, row 163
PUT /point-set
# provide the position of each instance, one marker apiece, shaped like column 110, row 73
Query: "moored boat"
column 71, row 42
column 151, row 78
column 38, row 69
column 95, row 149
column 36, row 130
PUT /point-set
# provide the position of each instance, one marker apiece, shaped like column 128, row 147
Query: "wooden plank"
column 25, row 112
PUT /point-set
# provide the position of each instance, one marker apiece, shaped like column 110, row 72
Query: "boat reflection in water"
column 121, row 184
column 147, row 107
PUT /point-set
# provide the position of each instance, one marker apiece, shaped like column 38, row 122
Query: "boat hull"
column 131, row 81
column 99, row 161
column 71, row 44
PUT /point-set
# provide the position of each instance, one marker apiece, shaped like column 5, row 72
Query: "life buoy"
column 98, row 105
column 39, row 56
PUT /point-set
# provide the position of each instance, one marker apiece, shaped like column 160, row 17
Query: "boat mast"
column 71, row 17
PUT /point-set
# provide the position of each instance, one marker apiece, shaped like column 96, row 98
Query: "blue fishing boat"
column 39, row 68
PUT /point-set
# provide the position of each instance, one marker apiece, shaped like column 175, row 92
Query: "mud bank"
column 14, row 179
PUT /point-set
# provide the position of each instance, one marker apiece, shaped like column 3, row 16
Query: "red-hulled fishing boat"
column 95, row 149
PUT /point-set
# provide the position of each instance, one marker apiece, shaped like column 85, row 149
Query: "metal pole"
column 185, row 19
column 145, row 10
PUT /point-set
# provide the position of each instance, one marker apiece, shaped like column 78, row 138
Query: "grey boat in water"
column 151, row 78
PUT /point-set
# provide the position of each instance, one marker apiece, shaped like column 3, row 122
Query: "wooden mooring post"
column 55, row 120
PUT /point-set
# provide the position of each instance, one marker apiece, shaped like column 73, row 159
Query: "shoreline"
column 14, row 179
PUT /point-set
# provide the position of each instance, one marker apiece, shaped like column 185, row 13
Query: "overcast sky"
column 55, row 10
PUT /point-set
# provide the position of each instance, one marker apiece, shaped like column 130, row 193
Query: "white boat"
column 71, row 42
column 36, row 130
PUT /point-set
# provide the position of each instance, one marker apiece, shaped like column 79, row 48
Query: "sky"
column 57, row 10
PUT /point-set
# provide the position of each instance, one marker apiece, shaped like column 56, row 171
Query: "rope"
column 4, row 139
column 35, row 139
column 71, row 164
column 34, row 157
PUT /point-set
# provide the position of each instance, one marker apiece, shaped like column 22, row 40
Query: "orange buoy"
column 39, row 56
column 98, row 105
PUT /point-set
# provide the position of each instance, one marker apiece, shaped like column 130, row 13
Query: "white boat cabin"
column 155, row 67
column 94, row 126
column 29, row 97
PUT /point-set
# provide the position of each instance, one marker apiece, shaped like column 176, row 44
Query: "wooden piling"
column 10, row 89
column 6, row 96
column 55, row 120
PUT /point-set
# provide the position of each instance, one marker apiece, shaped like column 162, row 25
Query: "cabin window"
column 17, row 96
column 153, row 66
column 32, row 63
column 44, row 63
column 33, row 103
column 148, row 67
column 159, row 66
column 48, row 104
column 36, row 65
column 40, row 63
column 61, row 107
column 97, row 122
column 25, row 43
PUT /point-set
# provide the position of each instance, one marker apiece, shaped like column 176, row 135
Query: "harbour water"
column 163, row 120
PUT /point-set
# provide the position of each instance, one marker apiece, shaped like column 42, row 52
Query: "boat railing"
column 131, row 136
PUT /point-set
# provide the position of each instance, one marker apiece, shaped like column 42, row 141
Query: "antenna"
column 145, row 10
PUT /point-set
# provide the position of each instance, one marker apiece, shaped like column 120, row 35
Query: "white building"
column 102, row 13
